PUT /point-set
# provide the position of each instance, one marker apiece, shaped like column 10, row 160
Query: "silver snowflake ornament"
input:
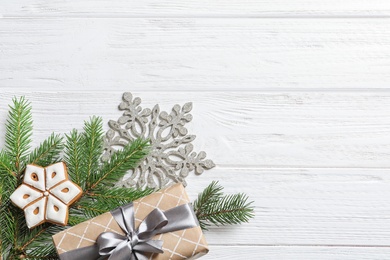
column 171, row 158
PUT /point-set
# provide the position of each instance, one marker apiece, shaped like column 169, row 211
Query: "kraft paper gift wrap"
column 181, row 244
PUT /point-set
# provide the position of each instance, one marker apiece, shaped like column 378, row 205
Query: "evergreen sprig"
column 213, row 207
column 48, row 151
column 18, row 132
column 73, row 156
column 104, row 200
column 120, row 162
column 83, row 151
column 93, row 146
column 39, row 246
column 6, row 167
column 15, row 236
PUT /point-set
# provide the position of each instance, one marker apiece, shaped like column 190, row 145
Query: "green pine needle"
column 210, row 195
column 7, row 230
column 121, row 161
column 74, row 157
column 18, row 132
column 212, row 207
column 85, row 210
column 33, row 247
column 83, row 151
column 93, row 145
column 5, row 165
column 8, row 183
column 105, row 199
column 76, row 216
column 118, row 195
column 48, row 152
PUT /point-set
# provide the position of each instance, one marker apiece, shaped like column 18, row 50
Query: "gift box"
column 154, row 215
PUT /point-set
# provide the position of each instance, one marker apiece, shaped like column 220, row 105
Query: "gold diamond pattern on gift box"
column 181, row 244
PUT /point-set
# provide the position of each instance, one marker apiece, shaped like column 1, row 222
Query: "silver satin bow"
column 137, row 244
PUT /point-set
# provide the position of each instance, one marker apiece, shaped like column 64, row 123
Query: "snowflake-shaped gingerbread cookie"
column 45, row 194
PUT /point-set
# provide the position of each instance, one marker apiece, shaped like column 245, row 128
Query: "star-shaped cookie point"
column 45, row 194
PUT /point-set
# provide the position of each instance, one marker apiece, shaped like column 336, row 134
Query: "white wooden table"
column 291, row 100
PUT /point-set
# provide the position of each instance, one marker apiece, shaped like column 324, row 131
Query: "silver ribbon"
column 136, row 244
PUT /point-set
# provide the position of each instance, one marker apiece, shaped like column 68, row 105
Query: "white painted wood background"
column 290, row 99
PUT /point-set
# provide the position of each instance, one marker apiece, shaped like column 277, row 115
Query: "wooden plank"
column 297, row 253
column 329, row 207
column 250, row 129
column 231, row 8
column 189, row 54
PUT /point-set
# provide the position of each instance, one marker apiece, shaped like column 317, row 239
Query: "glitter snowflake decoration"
column 171, row 158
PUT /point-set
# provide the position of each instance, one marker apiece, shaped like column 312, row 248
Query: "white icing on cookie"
column 56, row 211
column 35, row 176
column 55, row 173
column 66, row 191
column 35, row 213
column 24, row 195
column 46, row 194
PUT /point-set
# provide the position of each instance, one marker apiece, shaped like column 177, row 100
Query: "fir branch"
column 21, row 230
column 1, row 208
column 212, row 207
column 120, row 162
column 35, row 236
column 211, row 194
column 118, row 194
column 76, row 218
column 33, row 242
column 48, row 152
column 5, row 165
column 93, row 146
column 106, row 199
column 38, row 247
column 7, row 231
column 15, row 236
column 18, row 132
column 8, row 183
column 73, row 156
column 232, row 209
column 90, row 211
column 112, row 197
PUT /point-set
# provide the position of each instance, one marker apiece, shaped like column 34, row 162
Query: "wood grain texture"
column 290, row 100
column 194, row 54
column 306, row 206
column 301, row 206
column 250, row 129
column 198, row 8
column 298, row 253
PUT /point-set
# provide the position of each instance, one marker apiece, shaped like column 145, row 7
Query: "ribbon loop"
column 152, row 224
column 108, row 242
